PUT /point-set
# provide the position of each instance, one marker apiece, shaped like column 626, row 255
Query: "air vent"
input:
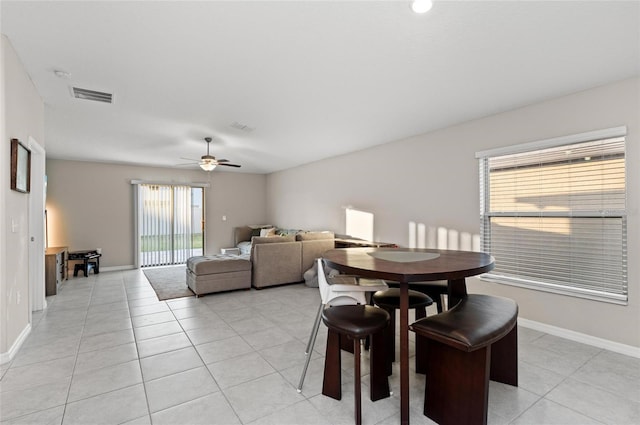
column 242, row 127
column 92, row 95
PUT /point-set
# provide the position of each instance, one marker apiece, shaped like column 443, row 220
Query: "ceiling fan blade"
column 222, row 160
column 230, row 165
column 189, row 159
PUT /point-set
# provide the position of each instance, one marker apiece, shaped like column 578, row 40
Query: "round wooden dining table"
column 407, row 265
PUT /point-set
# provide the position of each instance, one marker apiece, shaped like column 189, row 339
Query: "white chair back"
column 329, row 294
column 342, row 293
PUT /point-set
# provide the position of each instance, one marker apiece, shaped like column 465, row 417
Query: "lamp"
column 421, row 6
column 207, row 164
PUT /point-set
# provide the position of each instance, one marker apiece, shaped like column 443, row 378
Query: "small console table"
column 55, row 266
column 361, row 243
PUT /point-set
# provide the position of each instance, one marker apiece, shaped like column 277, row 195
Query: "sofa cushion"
column 270, row 231
column 220, row 263
column 272, row 239
column 287, row 232
column 312, row 236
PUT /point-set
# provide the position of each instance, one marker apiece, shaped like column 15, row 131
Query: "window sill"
column 557, row 289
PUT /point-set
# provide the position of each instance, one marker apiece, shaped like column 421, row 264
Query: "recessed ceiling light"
column 421, row 6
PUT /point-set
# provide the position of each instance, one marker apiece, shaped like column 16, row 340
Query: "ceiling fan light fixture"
column 207, row 165
column 209, row 162
column 421, row 6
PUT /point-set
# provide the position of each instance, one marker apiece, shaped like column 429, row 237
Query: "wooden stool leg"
column 379, row 385
column 357, row 385
column 345, row 344
column 331, row 384
column 390, row 340
column 504, row 358
column 421, row 345
column 457, row 385
column 438, row 301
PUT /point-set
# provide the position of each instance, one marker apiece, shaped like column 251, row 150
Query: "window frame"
column 486, row 214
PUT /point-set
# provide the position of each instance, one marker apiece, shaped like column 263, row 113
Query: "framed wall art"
column 20, row 167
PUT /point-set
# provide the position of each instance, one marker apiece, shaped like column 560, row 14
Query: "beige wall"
column 22, row 113
column 433, row 179
column 90, row 205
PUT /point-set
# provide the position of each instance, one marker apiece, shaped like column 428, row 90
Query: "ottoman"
column 216, row 273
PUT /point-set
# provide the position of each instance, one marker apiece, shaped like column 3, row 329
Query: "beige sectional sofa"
column 276, row 260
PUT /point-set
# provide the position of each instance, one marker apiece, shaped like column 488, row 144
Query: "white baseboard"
column 616, row 347
column 8, row 356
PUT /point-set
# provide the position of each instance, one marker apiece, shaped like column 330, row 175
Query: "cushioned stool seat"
column 435, row 290
column 216, row 273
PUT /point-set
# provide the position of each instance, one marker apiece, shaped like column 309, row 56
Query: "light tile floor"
column 107, row 351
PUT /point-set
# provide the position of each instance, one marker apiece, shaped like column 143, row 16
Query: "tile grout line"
column 64, row 410
column 135, row 340
column 205, row 366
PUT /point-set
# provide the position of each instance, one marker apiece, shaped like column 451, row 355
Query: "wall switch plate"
column 14, row 225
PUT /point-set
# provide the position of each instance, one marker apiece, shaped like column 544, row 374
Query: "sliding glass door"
column 170, row 223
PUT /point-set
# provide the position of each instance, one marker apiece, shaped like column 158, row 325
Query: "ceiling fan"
column 209, row 162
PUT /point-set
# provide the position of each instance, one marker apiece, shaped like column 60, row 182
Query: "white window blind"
column 169, row 223
column 553, row 215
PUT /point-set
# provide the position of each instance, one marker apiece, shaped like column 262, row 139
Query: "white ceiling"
column 314, row 79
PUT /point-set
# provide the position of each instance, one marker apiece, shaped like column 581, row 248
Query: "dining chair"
column 349, row 292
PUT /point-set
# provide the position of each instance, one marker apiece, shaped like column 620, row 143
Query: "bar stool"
column 334, row 295
column 473, row 342
column 389, row 300
column 435, row 290
column 356, row 322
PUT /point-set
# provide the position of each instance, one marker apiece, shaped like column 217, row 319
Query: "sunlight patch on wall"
column 359, row 224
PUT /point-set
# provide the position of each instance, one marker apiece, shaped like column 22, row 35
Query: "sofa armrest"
column 241, row 234
column 276, row 263
column 312, row 249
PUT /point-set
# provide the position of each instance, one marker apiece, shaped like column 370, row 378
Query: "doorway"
column 37, row 237
column 170, row 224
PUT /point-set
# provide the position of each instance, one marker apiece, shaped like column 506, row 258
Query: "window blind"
column 554, row 218
column 167, row 224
